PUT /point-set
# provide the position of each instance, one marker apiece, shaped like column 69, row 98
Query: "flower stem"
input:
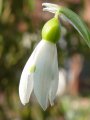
column 57, row 14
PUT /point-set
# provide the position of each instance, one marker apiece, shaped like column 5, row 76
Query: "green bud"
column 51, row 30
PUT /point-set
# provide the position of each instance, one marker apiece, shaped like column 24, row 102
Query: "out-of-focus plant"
column 1, row 5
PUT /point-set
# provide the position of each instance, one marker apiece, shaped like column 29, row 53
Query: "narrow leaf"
column 76, row 21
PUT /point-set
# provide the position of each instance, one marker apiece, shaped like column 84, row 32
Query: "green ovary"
column 51, row 30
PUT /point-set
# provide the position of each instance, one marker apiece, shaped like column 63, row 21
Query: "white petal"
column 62, row 82
column 26, row 80
column 25, row 88
column 54, row 84
column 43, row 74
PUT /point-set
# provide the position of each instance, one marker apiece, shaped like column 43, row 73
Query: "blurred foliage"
column 20, row 25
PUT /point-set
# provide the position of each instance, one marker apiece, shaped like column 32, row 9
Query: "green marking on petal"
column 32, row 68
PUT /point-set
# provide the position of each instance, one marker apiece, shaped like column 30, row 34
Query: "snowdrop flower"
column 41, row 70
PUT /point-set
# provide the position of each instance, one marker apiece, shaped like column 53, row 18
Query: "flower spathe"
column 41, row 75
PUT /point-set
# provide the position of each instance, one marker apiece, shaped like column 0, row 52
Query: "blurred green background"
column 21, row 22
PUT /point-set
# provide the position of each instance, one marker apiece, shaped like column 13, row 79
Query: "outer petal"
column 55, row 79
column 43, row 74
column 62, row 82
column 26, row 80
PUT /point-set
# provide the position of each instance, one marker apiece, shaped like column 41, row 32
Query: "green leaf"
column 76, row 21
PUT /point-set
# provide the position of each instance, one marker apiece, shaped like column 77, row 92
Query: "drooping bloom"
column 41, row 70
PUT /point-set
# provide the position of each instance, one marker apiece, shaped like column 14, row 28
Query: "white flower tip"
column 23, row 100
column 44, row 108
column 52, row 103
column 23, row 94
column 43, row 104
column 23, row 103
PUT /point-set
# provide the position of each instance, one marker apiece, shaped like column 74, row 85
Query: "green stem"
column 57, row 14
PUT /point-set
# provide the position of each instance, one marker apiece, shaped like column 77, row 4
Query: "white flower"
column 41, row 70
column 41, row 75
